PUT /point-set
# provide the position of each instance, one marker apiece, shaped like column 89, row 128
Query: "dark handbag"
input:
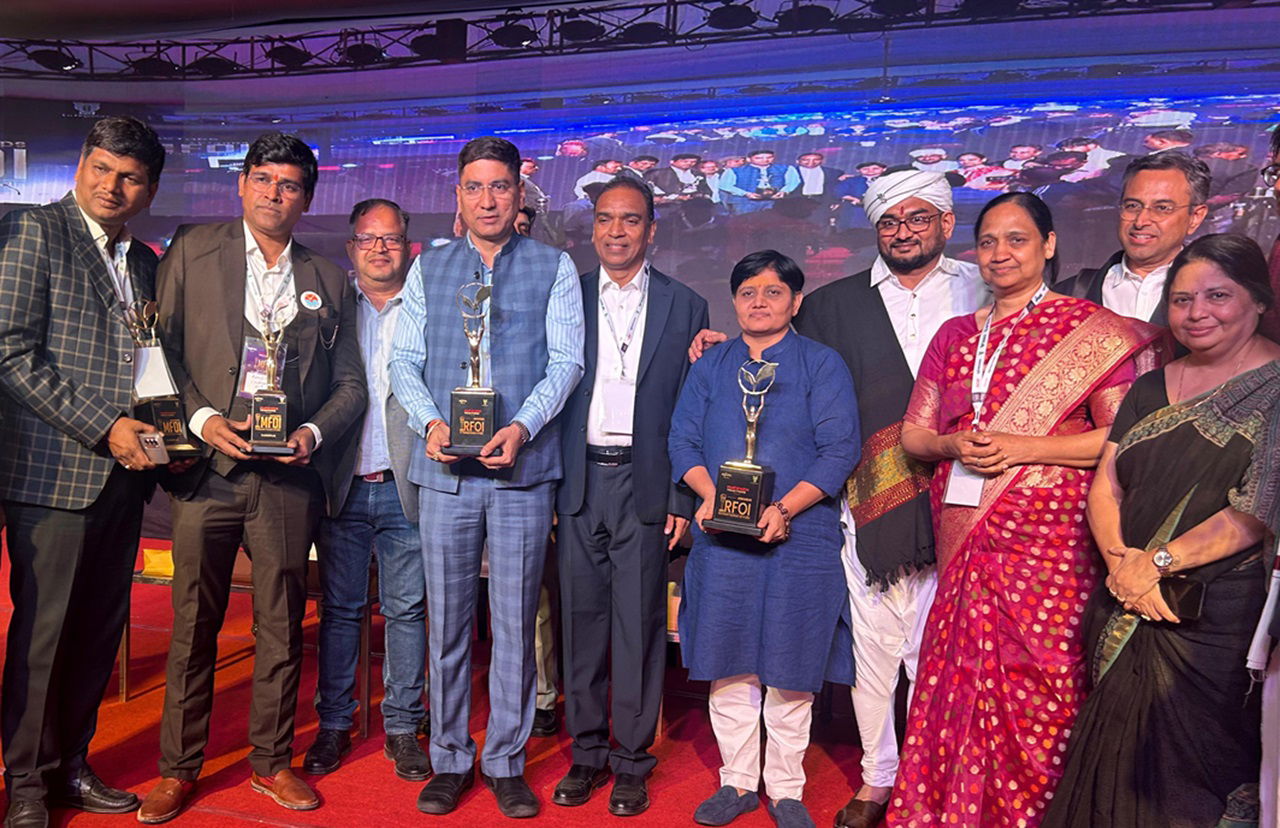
column 1184, row 596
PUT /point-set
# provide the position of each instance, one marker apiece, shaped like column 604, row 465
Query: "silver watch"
column 1163, row 559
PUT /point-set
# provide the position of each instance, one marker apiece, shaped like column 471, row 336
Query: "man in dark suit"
column 219, row 287
column 679, row 180
column 378, row 516
column 817, row 181
column 71, row 465
column 1163, row 201
column 618, row 511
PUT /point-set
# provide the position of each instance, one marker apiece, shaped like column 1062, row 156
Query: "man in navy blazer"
column 619, row 514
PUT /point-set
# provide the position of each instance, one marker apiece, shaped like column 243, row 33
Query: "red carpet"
column 364, row 792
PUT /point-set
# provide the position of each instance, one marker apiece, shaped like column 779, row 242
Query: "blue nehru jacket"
column 523, row 366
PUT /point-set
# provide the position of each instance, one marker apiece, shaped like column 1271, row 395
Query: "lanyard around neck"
column 624, row 344
column 984, row 369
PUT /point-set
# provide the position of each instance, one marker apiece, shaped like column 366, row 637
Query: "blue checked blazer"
column 66, row 356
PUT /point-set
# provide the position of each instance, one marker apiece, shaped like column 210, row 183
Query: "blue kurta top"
column 779, row 611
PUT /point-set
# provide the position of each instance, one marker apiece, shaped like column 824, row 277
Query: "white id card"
column 964, row 486
column 253, row 366
column 151, row 373
column 619, row 406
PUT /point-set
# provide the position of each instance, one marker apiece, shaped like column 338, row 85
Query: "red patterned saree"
column 1002, row 666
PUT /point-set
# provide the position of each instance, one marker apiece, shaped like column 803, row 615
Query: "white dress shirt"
column 376, row 329
column 812, row 181
column 1128, row 294
column 627, row 307
column 116, row 256
column 952, row 288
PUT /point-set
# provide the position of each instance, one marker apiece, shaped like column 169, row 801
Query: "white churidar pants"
column 887, row 628
column 735, row 706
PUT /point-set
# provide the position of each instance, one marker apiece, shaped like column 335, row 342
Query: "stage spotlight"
column 989, row 8
column 732, row 16
column 362, row 53
column 212, row 65
column 579, row 29
column 513, row 35
column 448, row 44
column 288, row 55
column 804, row 17
column 642, row 34
column 55, row 60
column 896, row 8
column 156, row 64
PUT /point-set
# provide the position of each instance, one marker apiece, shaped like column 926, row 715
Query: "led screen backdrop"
column 412, row 160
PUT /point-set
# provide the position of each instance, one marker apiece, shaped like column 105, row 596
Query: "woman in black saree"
column 1188, row 486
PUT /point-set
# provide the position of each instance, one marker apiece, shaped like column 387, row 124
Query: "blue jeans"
column 372, row 521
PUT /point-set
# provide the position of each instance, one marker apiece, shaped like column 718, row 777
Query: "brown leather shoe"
column 165, row 800
column 287, row 790
column 861, row 813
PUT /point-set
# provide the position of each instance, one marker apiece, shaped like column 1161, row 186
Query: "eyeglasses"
column 366, row 241
column 889, row 225
column 500, row 189
column 1270, row 174
column 262, row 183
column 1132, row 208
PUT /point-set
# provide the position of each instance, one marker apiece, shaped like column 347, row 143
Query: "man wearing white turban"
column 881, row 321
column 932, row 159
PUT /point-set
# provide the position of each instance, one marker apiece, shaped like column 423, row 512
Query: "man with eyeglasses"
column 1271, row 177
column 378, row 517
column 531, row 354
column 220, row 287
column 1162, row 202
column 881, row 321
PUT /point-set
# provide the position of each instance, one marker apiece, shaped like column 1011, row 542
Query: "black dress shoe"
column 326, row 753
column 578, row 784
column 630, row 795
column 83, row 790
column 27, row 813
column 545, row 722
column 860, row 813
column 515, row 799
column 441, row 794
column 411, row 763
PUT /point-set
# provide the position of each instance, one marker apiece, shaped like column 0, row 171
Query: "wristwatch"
column 1163, row 559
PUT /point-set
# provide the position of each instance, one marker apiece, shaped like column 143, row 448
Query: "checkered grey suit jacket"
column 66, row 357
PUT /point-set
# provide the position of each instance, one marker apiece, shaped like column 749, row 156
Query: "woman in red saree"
column 1002, row 665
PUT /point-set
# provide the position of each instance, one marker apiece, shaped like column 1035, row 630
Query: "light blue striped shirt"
column 564, row 347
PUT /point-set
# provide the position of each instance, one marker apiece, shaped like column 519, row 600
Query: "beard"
column 923, row 254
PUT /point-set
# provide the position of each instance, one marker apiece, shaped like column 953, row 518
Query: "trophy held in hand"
column 743, row 487
column 269, row 411
column 155, row 395
column 472, row 407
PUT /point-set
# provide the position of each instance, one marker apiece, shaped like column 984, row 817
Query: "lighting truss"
column 536, row 31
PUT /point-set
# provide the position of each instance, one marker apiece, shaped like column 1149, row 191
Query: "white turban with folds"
column 891, row 189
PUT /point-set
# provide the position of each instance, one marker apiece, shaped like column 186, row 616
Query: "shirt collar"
column 1121, row 273
column 251, row 247
column 880, row 270
column 639, row 282
column 99, row 233
column 361, row 296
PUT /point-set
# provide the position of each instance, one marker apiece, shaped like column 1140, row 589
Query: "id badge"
column 151, row 377
column 964, row 486
column 619, row 406
column 253, row 366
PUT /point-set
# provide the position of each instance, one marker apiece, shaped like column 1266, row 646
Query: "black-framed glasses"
column 366, row 241
column 1270, row 174
column 889, row 225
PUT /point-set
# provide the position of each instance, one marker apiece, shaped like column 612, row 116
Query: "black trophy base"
column 743, row 492
column 165, row 413
column 471, row 421
column 267, row 422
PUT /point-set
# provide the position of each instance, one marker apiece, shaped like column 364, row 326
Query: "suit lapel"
column 231, row 260
column 90, row 257
column 591, row 327
column 660, row 296
column 305, row 278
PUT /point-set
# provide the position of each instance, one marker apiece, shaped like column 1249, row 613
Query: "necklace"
column 1182, row 373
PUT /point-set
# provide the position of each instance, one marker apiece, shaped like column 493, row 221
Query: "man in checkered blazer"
column 72, row 471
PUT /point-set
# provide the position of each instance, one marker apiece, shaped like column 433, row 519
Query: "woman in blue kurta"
column 769, row 612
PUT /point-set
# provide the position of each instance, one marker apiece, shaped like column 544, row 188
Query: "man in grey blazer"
column 215, row 286
column 379, row 516
column 71, row 466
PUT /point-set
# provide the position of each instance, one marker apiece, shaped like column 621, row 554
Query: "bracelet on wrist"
column 786, row 516
column 525, row 436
